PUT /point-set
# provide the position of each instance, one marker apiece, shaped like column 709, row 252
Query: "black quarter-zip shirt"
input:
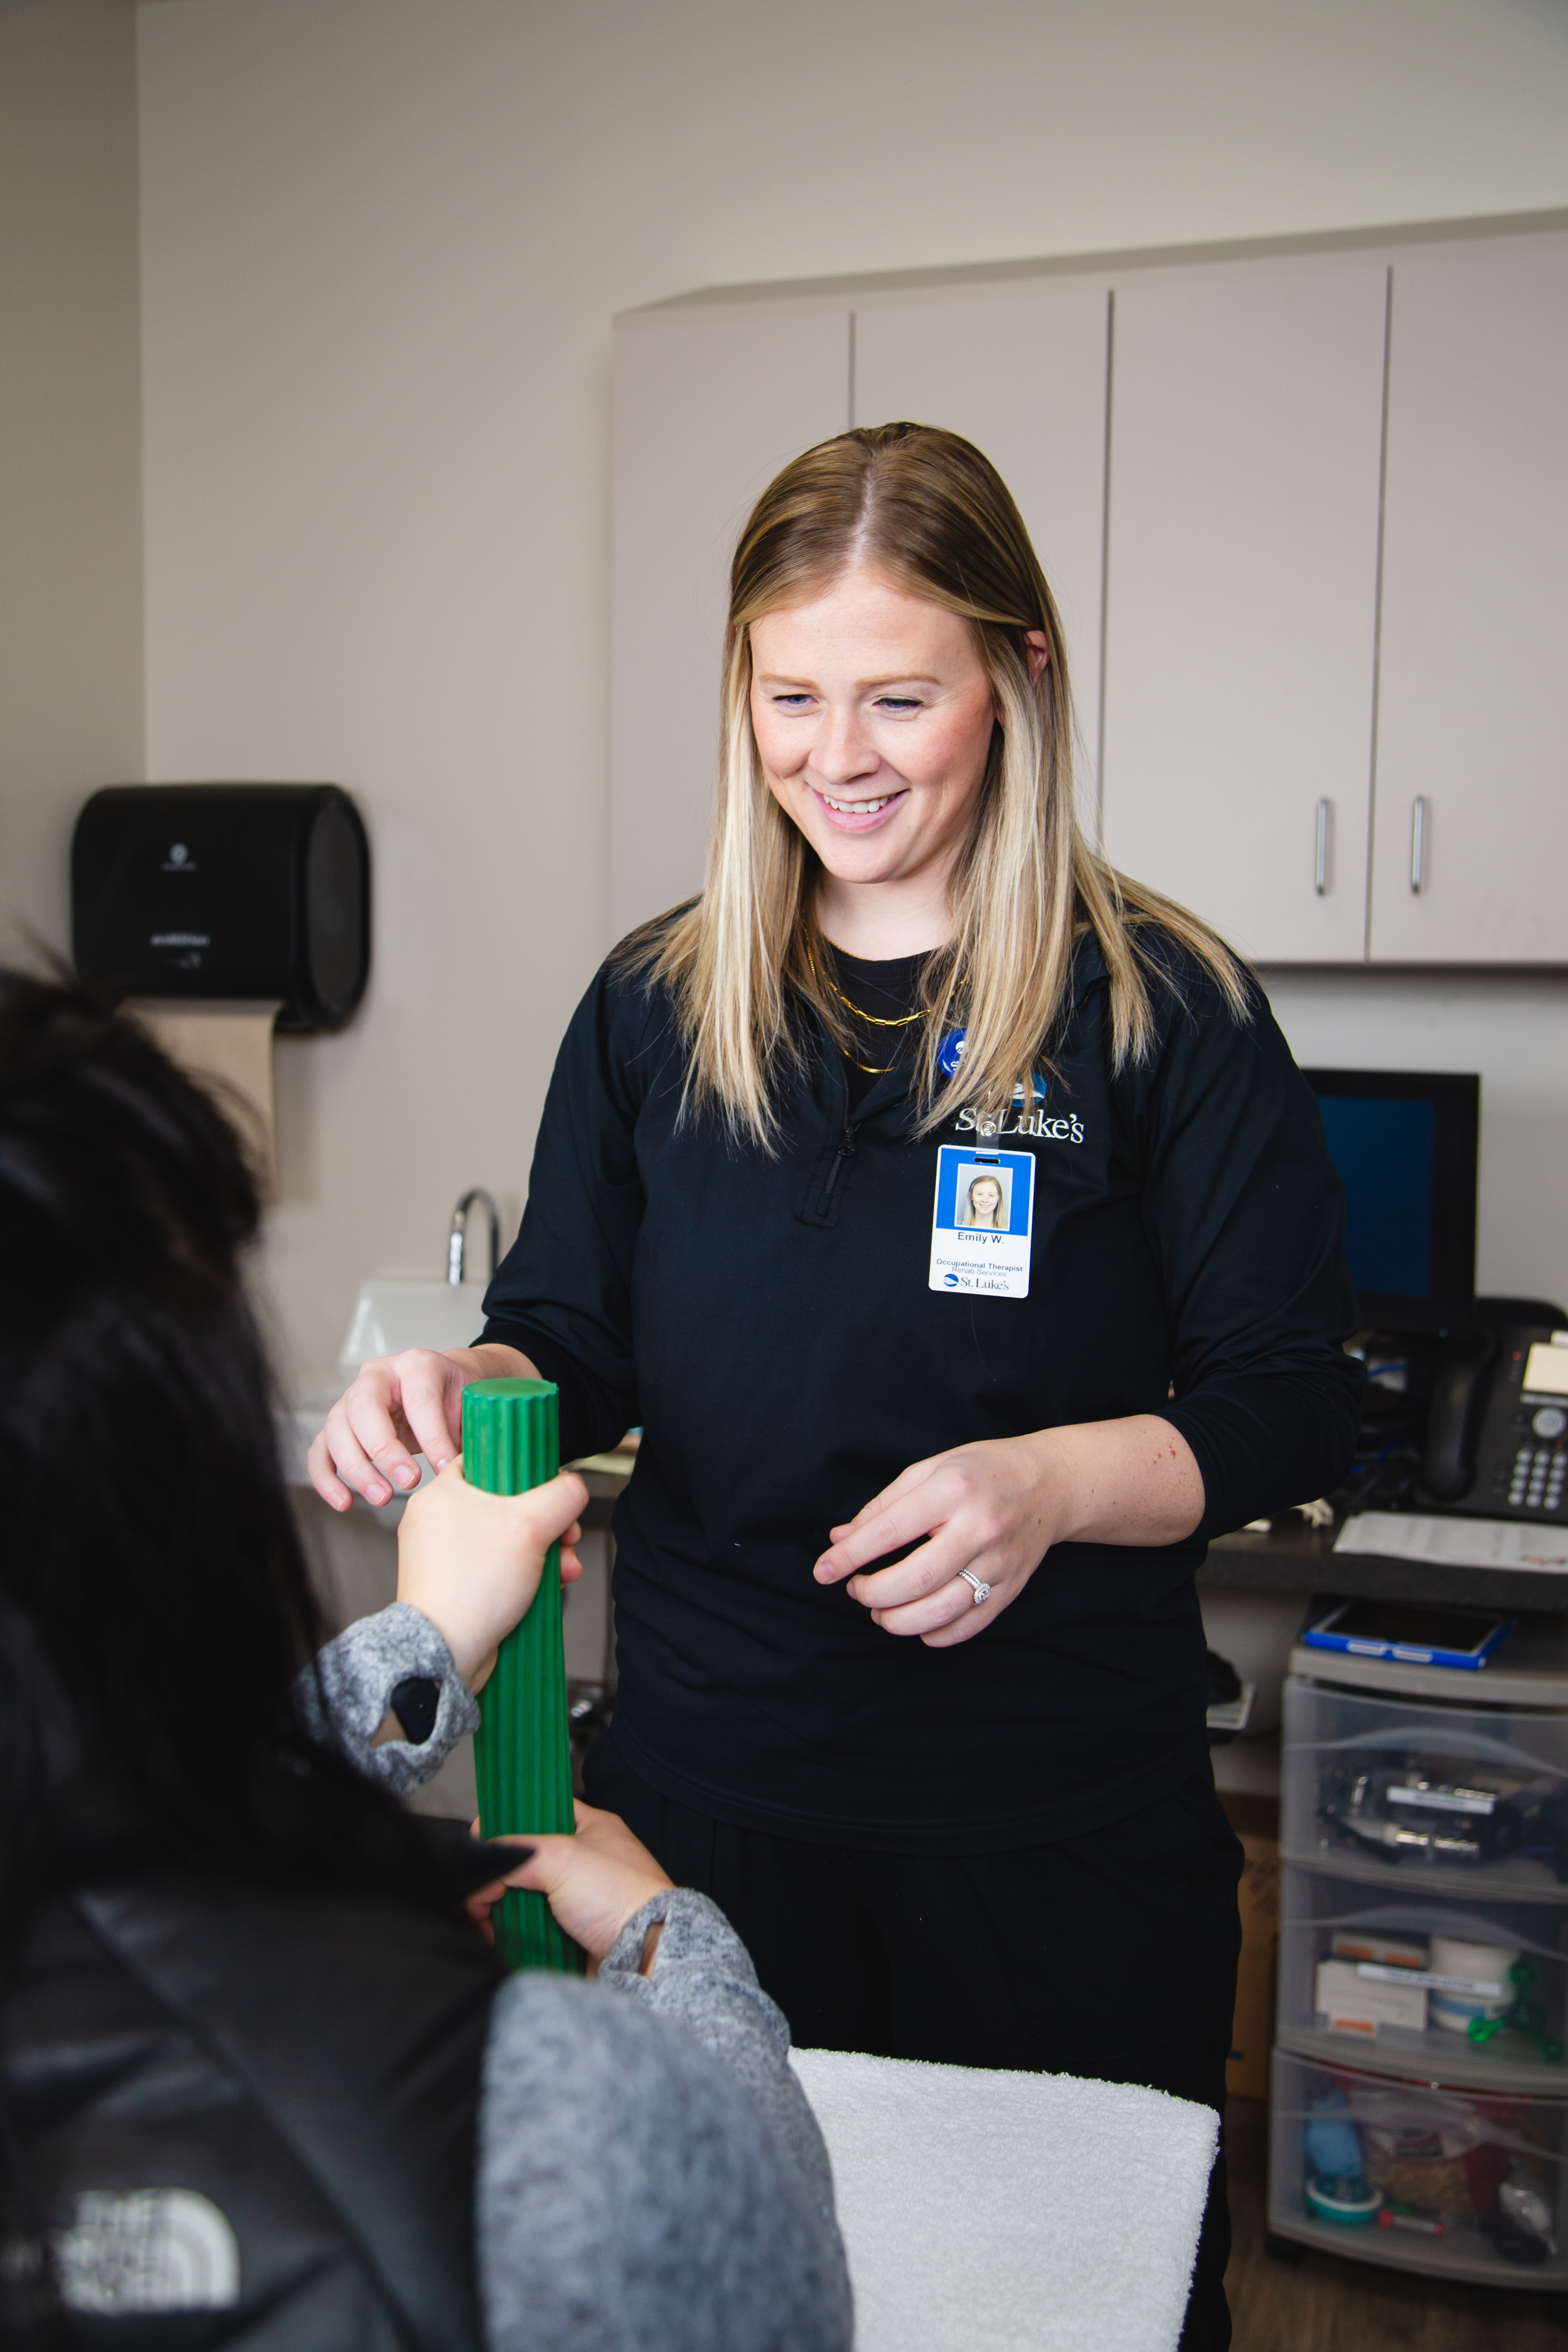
column 770, row 1321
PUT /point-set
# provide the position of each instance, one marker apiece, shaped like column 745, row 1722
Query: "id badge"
column 983, row 1219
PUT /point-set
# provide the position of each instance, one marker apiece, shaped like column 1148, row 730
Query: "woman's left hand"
column 595, row 1881
column 995, row 1508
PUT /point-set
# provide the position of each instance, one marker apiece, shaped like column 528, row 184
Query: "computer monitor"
column 1405, row 1143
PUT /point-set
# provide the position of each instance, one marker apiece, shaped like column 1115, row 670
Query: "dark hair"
column 155, row 1605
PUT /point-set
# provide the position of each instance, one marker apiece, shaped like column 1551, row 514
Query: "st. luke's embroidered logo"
column 1019, row 1121
column 1024, row 1117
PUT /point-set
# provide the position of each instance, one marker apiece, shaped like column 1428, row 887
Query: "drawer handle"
column 1320, row 864
column 1419, row 812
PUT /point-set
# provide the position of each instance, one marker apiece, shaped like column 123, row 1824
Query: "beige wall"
column 70, row 503
column 383, row 240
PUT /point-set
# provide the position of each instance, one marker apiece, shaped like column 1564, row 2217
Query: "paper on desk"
column 1459, row 1543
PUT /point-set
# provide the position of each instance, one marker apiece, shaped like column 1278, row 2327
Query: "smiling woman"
column 897, row 779
column 948, row 1209
column 983, row 1204
column 892, row 762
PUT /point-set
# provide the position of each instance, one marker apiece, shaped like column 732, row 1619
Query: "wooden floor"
column 1327, row 2304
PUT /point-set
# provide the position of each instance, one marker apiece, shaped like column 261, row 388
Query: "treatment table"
column 986, row 2212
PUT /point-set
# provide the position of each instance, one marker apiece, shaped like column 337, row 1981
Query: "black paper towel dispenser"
column 224, row 891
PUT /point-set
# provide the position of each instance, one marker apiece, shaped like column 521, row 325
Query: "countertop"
column 1298, row 1559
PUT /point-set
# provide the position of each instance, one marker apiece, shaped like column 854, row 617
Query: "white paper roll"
column 226, row 1047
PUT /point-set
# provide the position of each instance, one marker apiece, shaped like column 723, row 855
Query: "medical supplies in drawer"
column 1378, row 1787
column 1472, row 1991
column 1419, row 2176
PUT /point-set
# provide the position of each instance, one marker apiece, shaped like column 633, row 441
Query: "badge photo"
column 981, row 1220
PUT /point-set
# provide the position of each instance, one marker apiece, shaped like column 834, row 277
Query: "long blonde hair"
column 934, row 517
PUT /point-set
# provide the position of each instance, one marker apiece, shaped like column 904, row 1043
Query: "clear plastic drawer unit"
column 1465, row 2184
column 1470, row 1993
column 1391, row 1790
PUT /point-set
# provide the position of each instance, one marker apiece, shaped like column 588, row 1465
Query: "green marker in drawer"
column 522, row 1753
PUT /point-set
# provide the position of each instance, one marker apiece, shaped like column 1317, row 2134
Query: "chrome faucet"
column 457, row 1237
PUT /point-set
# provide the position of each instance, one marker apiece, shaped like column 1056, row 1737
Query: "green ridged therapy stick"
column 522, row 1750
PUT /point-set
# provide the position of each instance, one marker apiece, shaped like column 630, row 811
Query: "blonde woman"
column 958, row 1806
column 983, row 1204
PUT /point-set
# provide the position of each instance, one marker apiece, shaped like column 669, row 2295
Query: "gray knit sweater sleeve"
column 650, row 2174
column 345, row 1695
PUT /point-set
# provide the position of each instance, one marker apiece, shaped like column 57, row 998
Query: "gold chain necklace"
column 872, row 1020
column 875, row 1020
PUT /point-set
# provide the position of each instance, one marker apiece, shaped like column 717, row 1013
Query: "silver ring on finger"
column 982, row 1591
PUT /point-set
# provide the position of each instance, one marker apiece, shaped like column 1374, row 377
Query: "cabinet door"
column 1020, row 370
column 709, row 402
column 1470, row 741
column 1245, row 431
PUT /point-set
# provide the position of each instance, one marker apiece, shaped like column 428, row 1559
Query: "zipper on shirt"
column 846, row 1151
column 819, row 1204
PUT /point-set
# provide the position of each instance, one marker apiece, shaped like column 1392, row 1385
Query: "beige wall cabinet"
column 1214, row 458
column 1245, row 430
column 1470, row 841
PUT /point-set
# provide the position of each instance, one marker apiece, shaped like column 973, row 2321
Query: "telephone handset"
column 1497, row 1429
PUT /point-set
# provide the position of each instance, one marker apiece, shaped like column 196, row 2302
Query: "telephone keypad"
column 1536, row 1477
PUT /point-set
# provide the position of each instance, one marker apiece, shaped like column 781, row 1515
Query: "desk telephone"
column 1497, row 1428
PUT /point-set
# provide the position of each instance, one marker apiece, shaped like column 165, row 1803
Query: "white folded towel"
column 985, row 2211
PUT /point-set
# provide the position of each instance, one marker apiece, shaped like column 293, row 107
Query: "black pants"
column 1110, row 1956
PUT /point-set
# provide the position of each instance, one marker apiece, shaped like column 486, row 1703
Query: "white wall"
column 383, row 240
column 71, row 505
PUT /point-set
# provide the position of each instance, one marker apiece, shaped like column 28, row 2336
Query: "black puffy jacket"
column 298, row 2171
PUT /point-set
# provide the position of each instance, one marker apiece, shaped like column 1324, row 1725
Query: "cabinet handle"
column 1321, row 865
column 1418, row 815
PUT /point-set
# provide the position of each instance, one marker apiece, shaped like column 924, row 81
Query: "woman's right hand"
column 399, row 1406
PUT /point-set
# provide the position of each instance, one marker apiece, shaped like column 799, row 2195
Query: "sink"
column 391, row 1313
